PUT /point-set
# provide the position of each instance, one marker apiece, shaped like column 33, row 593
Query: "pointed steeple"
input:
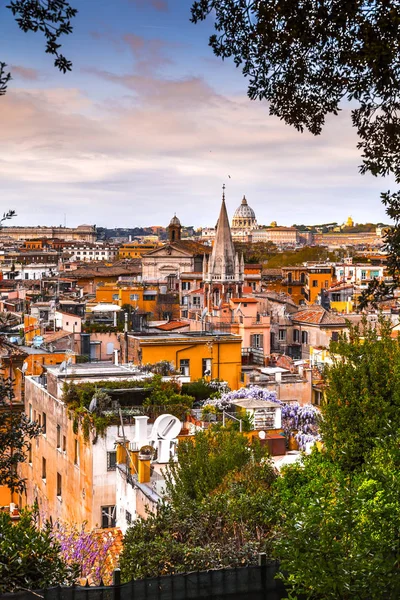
column 222, row 261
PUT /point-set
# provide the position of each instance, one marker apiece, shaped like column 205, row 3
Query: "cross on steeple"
column 223, row 191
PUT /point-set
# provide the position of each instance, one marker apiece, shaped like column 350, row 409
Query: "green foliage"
column 204, row 461
column 338, row 535
column 290, row 258
column 16, row 434
column 200, row 389
column 259, row 252
column 30, row 557
column 166, row 395
column 226, row 522
column 362, row 393
column 53, row 19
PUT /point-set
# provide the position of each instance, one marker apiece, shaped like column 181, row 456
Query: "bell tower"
column 174, row 229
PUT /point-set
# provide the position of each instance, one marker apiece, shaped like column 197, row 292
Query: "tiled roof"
column 272, row 272
column 316, row 315
column 7, row 349
column 191, row 246
column 247, row 300
column 172, row 325
column 56, row 335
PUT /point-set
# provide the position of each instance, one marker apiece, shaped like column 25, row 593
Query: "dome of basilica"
column 244, row 216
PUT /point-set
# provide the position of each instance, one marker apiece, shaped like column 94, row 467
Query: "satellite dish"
column 24, row 367
column 166, row 427
column 69, row 362
column 62, row 367
column 262, row 435
column 203, row 314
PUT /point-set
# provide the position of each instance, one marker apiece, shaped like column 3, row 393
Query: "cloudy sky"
column 150, row 123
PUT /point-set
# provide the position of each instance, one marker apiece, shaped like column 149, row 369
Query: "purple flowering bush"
column 91, row 550
column 295, row 418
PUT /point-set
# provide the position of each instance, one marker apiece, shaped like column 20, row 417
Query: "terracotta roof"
column 104, row 271
column 316, row 315
column 269, row 272
column 248, row 300
column 8, row 349
column 191, row 246
column 56, row 335
column 172, row 325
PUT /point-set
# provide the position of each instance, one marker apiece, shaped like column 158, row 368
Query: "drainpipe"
column 126, row 337
column 181, row 350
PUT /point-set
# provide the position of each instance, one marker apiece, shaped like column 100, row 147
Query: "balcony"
column 253, row 356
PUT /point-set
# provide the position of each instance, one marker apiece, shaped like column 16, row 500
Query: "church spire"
column 222, row 261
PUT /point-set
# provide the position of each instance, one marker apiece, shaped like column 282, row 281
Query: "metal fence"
column 255, row 583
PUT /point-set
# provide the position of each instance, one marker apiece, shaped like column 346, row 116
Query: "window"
column 58, row 437
column 289, row 290
column 110, row 348
column 59, row 485
column 44, row 468
column 149, row 297
column 326, row 284
column 184, row 367
column 115, row 296
column 302, row 278
column 30, row 412
column 67, row 323
column 315, row 282
column 290, row 277
column 111, row 461
column 108, row 516
column 296, row 335
column 196, row 300
column 256, row 340
column 304, row 337
column 30, row 454
column 363, row 274
column 128, row 517
column 134, row 297
column 282, row 335
column 335, row 336
column 64, row 447
column 76, row 452
column 206, row 367
column 185, row 285
column 336, row 297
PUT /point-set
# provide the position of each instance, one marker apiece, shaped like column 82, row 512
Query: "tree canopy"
column 52, row 18
column 16, row 433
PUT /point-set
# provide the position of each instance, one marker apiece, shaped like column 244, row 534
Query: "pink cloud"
column 159, row 5
column 25, row 73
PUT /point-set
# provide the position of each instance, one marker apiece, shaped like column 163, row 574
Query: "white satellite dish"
column 166, row 427
column 262, row 435
column 24, row 367
column 69, row 362
column 203, row 314
column 62, row 367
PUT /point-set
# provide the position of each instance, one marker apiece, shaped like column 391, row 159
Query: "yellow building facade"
column 193, row 355
column 133, row 250
column 319, row 277
column 143, row 298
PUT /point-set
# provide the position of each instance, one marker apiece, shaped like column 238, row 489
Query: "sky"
column 150, row 123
